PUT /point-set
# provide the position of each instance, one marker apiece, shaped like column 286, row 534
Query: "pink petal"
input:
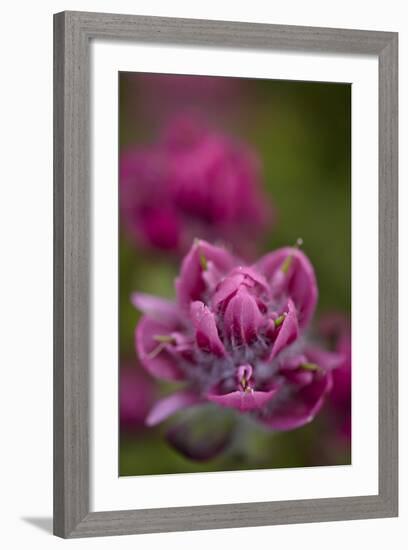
column 136, row 391
column 301, row 407
column 299, row 377
column 190, row 285
column 246, row 276
column 299, row 283
column 288, row 331
column 207, row 337
column 159, row 309
column 253, row 275
column 242, row 400
column 293, row 363
column 153, row 355
column 242, row 318
column 327, row 360
column 170, row 405
column 226, row 288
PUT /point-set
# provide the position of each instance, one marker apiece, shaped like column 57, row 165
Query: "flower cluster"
column 235, row 335
column 192, row 182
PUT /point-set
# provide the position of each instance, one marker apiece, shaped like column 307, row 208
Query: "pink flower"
column 335, row 327
column 193, row 181
column 235, row 337
column 136, row 393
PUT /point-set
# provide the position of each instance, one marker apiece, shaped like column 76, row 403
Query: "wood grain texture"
column 388, row 273
column 228, row 33
column 72, row 33
column 71, row 284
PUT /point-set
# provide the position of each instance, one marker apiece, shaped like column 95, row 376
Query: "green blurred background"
column 302, row 134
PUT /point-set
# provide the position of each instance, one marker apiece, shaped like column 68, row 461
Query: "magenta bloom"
column 193, row 181
column 235, row 337
column 136, row 393
column 336, row 328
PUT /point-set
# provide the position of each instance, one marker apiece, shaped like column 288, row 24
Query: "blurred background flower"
column 155, row 98
column 299, row 134
column 136, row 394
column 192, row 182
column 336, row 331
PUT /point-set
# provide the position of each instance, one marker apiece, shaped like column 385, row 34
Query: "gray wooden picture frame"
column 73, row 32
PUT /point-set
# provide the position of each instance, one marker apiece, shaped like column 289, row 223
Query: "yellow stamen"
column 203, row 262
column 310, row 366
column 163, row 339
column 280, row 320
column 288, row 260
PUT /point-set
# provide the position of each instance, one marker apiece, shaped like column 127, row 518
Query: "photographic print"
column 234, row 274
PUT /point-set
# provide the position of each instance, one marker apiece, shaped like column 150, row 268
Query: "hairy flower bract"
column 235, row 335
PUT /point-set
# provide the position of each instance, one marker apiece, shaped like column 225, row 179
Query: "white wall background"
column 26, row 271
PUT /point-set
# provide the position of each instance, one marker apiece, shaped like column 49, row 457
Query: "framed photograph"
column 225, row 288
